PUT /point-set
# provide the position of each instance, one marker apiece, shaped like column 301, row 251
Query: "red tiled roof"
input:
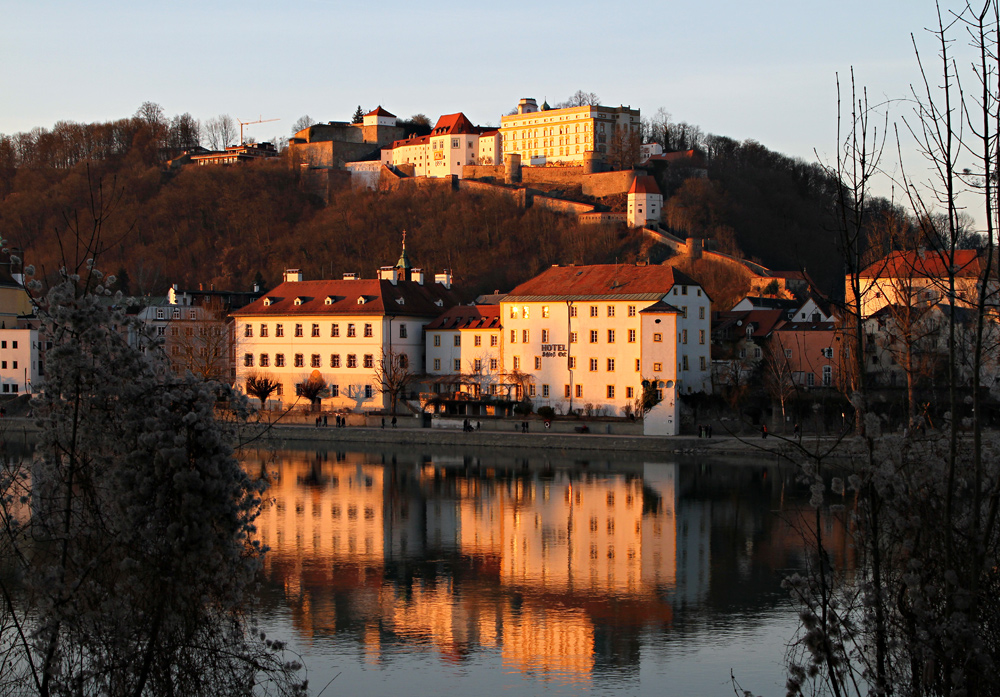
column 644, row 184
column 415, row 140
column 469, row 317
column 605, row 280
column 379, row 111
column 923, row 265
column 452, row 124
column 380, row 298
column 764, row 321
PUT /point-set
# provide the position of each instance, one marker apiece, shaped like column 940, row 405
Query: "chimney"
column 350, row 277
column 256, row 287
column 387, row 273
column 293, row 276
column 444, row 278
column 417, row 276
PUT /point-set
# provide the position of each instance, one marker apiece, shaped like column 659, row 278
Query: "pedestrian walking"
column 383, row 422
column 326, row 420
column 394, row 421
column 763, row 432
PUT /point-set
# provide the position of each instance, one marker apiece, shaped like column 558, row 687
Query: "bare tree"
column 200, row 343
column 580, row 98
column 220, row 132
column 313, row 387
column 302, row 123
column 261, row 386
column 393, row 375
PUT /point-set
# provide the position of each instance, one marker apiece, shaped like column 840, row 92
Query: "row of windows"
column 279, row 330
column 476, row 340
column 525, row 311
column 161, row 313
column 477, row 365
column 13, row 344
column 316, row 361
column 334, row 391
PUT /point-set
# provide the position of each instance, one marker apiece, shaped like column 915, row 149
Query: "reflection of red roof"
column 469, row 317
column 644, row 184
column 379, row 298
column 379, row 111
column 923, row 265
column 602, row 280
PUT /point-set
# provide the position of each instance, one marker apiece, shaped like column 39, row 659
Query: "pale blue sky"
column 745, row 70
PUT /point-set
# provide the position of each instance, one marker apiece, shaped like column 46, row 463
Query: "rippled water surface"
column 404, row 572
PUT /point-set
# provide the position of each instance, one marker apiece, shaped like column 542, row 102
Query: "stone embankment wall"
column 558, row 205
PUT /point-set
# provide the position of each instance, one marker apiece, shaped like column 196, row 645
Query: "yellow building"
column 567, row 136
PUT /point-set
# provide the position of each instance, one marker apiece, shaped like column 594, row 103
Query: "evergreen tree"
column 359, row 115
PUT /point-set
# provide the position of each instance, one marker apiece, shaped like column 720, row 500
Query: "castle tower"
column 645, row 202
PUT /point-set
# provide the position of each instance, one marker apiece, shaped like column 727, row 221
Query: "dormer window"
column 439, row 303
column 361, row 300
column 299, row 300
column 268, row 301
column 401, row 301
column 329, row 300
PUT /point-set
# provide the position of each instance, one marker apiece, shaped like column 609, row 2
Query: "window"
column 247, row 360
column 703, row 363
column 684, row 336
column 525, row 312
column 637, row 366
column 352, row 361
column 176, row 314
column 299, row 362
column 494, row 340
column 629, row 392
column 404, row 360
column 611, row 310
column 334, row 390
column 631, row 336
column 701, row 336
column 513, row 336
column 493, row 364
column 545, row 390
column 247, row 330
column 368, row 392
column 572, row 313
column 788, row 353
column 279, row 360
column 457, row 364
column 263, row 330
column 402, row 331
column 369, row 360
column 334, row 360
column 593, row 336
column 631, row 313
column 566, row 391
column 335, row 330
column 701, row 311
column 161, row 331
column 593, row 364
column 298, row 330
column 315, row 330
column 517, row 362
column 827, row 353
column 437, row 339
column 477, row 365
column 531, row 390
column 265, row 360
column 538, row 362
column 611, row 391
column 579, row 391
column 314, row 361
column 524, row 336
column 437, row 364
column 545, row 310
column 350, row 331
column 684, row 311
column 657, row 337
column 545, row 336
column 478, row 340
column 611, row 336
column 810, row 379
column 593, row 310
column 684, row 290
column 611, row 365
column 657, row 367
column 513, row 312
column 279, row 330
column 160, row 314
column 571, row 362
column 827, row 376
column 457, row 339
column 684, row 363
column 572, row 337
column 174, row 331
column 368, row 331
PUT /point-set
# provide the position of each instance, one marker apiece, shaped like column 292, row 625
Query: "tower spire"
column 403, row 266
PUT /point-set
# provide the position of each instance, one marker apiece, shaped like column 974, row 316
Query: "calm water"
column 445, row 572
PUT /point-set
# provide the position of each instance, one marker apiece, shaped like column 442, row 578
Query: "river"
column 445, row 571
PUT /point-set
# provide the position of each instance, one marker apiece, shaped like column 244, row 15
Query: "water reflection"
column 565, row 574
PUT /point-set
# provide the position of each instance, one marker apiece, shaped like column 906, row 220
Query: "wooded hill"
column 230, row 226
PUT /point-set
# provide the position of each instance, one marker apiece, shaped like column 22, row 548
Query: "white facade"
column 21, row 361
column 467, row 343
column 453, row 143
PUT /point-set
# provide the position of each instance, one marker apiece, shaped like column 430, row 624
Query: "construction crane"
column 247, row 123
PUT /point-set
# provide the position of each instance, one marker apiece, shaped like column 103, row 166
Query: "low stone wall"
column 558, row 205
column 604, row 218
column 483, row 172
column 608, row 183
column 519, row 196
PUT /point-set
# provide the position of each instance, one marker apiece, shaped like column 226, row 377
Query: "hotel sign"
column 553, row 350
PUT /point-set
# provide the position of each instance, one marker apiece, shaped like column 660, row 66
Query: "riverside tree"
column 126, row 540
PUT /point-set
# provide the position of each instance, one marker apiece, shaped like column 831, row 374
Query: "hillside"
column 228, row 227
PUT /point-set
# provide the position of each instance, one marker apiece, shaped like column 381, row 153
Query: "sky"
column 762, row 71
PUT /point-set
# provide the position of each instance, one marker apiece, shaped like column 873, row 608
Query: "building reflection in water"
column 556, row 567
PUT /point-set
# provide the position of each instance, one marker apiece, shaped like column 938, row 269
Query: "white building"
column 453, row 143
column 21, row 361
column 465, row 351
column 645, row 202
column 565, row 135
column 340, row 331
column 591, row 335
